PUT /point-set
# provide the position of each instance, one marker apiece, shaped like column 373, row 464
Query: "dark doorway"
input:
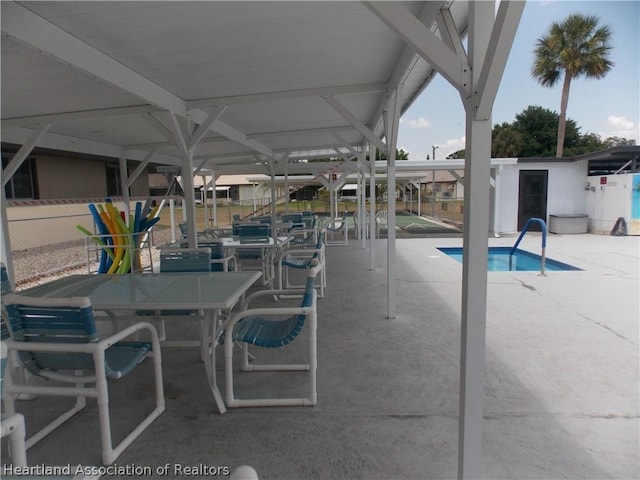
column 532, row 200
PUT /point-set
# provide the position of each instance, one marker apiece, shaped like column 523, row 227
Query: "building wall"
column 565, row 191
column 60, row 177
column 70, row 178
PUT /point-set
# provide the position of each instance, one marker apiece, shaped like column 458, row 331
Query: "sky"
column 608, row 106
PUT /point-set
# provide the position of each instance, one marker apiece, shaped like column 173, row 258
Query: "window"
column 22, row 184
column 114, row 187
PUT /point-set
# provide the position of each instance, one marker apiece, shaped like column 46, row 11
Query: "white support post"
column 205, row 189
column 391, row 130
column 372, row 206
column 172, row 216
column 255, row 186
column 124, row 185
column 5, row 239
column 475, row 254
column 272, row 172
column 214, row 194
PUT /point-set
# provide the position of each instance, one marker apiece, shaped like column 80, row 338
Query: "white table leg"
column 211, row 321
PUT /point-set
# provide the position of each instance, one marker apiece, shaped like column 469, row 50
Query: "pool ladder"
column 543, row 227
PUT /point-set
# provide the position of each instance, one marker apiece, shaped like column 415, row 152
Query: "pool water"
column 520, row 261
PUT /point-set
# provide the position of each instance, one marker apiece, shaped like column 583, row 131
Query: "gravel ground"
column 43, row 264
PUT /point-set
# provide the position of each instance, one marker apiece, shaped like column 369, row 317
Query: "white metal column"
column 391, row 131
column 372, row 206
column 477, row 173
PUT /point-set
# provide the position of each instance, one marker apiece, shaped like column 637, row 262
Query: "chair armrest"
column 122, row 334
column 85, row 347
column 270, row 293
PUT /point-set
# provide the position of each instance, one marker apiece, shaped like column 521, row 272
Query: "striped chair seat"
column 262, row 332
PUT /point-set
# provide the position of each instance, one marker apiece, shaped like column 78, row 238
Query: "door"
column 532, row 199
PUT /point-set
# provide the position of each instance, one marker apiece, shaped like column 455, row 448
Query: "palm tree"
column 577, row 46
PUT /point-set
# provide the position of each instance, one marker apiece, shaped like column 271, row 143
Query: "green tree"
column 506, row 141
column 577, row 47
column 538, row 127
column 610, row 142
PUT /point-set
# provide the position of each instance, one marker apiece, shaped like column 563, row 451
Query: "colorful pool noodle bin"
column 120, row 240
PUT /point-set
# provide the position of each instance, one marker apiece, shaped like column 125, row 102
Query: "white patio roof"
column 244, row 87
column 262, row 79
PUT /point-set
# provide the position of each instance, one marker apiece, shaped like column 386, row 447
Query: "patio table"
column 210, row 292
column 268, row 251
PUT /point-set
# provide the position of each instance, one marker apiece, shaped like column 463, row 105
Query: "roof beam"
column 288, row 95
column 304, row 131
column 203, row 128
column 351, row 118
column 453, row 68
column 34, row 31
column 502, row 35
column 23, row 153
column 80, row 115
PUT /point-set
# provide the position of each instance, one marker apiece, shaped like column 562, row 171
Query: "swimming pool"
column 521, row 260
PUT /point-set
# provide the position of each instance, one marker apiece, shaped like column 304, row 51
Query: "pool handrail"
column 543, row 227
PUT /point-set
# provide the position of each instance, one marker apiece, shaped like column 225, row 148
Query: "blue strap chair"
column 265, row 327
column 181, row 260
column 296, row 220
column 339, row 226
column 13, row 362
column 220, row 261
column 56, row 338
column 306, row 236
column 254, row 233
column 300, row 259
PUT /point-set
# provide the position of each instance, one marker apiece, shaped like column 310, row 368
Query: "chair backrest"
column 5, row 288
column 184, row 231
column 4, row 359
column 52, row 320
column 310, row 222
column 217, row 253
column 381, row 217
column 292, row 217
column 185, row 260
column 254, row 232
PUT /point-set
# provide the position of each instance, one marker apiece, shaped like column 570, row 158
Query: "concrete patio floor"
column 562, row 381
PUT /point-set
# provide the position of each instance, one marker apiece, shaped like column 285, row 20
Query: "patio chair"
column 381, row 222
column 357, row 224
column 295, row 219
column 13, row 362
column 306, row 236
column 181, row 260
column 338, row 226
column 299, row 259
column 253, row 232
column 54, row 336
column 265, row 327
column 12, row 426
column 220, row 262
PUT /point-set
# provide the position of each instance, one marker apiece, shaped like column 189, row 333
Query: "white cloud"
column 420, row 122
column 620, row 126
column 451, row 145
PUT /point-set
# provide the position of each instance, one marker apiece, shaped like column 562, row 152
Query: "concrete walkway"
column 562, row 383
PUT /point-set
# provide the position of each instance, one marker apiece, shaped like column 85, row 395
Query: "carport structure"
column 249, row 87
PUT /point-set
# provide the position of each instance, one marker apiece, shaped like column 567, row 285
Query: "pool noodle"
column 105, row 258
